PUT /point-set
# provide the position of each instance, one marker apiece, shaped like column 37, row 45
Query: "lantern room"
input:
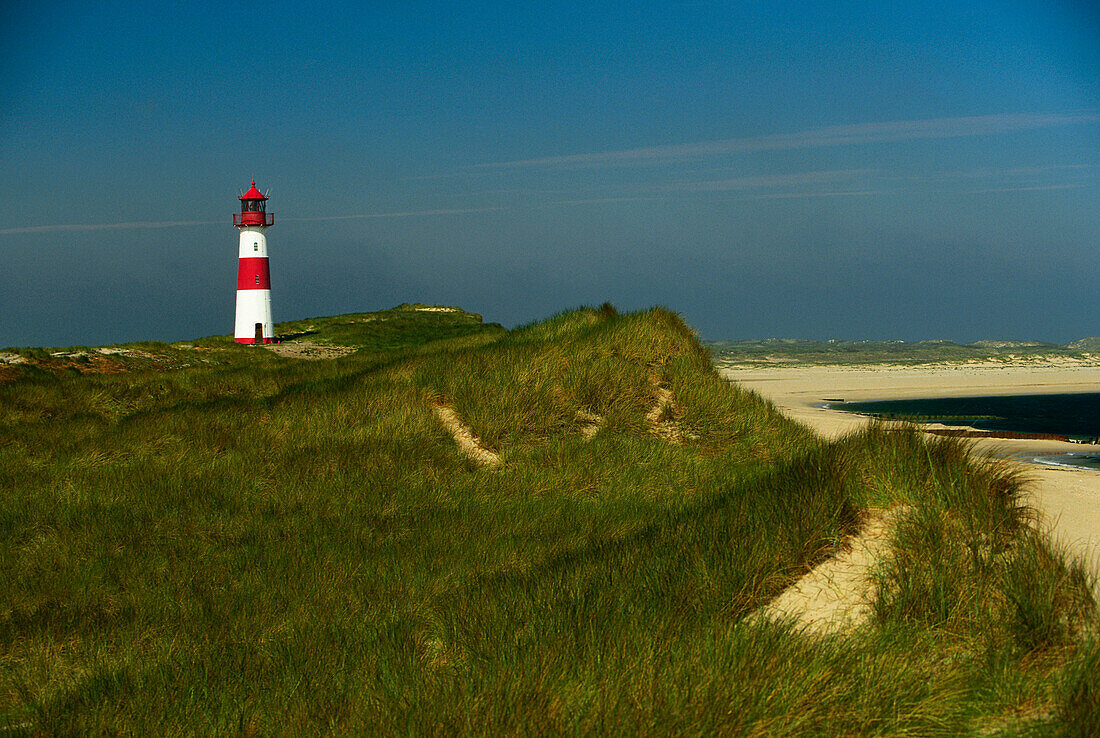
column 253, row 209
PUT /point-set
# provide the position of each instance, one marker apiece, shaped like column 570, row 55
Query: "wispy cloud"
column 799, row 195
column 848, row 135
column 107, row 226
column 401, row 214
column 1026, row 189
column 598, row 201
column 1002, row 172
column 161, row 224
column 794, row 185
column 764, row 181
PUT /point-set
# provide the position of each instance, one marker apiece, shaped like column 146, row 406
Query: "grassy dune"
column 220, row 539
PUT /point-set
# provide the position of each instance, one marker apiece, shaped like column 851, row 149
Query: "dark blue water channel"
column 1076, row 415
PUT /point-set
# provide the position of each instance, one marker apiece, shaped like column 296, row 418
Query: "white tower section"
column 254, row 295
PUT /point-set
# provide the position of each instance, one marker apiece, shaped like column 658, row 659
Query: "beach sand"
column 1068, row 499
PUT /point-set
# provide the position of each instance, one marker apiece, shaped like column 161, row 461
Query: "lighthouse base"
column 253, row 323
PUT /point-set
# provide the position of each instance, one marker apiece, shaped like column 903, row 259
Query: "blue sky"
column 816, row 170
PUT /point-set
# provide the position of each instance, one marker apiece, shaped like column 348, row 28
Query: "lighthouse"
column 253, row 323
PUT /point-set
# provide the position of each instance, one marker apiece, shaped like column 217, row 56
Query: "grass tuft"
column 1079, row 711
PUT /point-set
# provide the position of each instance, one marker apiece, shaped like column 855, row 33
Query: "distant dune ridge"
column 847, row 351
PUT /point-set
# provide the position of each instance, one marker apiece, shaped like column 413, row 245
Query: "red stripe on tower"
column 253, row 274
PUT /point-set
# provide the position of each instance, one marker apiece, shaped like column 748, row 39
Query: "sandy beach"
column 1069, row 499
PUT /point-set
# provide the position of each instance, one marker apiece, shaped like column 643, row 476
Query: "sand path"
column 298, row 349
column 1069, row 499
column 468, row 443
column 837, row 593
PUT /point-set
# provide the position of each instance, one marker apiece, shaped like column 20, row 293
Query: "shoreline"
column 1067, row 497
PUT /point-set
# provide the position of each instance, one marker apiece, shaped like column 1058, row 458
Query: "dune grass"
column 260, row 545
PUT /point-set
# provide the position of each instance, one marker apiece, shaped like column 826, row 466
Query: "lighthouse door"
column 259, row 333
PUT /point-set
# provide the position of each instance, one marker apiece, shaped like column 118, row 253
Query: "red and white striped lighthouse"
column 253, row 278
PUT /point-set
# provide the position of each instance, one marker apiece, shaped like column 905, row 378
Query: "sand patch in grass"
column 837, row 593
column 467, row 442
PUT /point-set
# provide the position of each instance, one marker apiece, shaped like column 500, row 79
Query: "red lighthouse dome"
column 253, row 209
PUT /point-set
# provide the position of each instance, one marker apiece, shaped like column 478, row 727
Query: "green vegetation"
column 404, row 326
column 802, row 351
column 219, row 539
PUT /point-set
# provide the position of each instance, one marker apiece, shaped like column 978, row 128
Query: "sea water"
column 1085, row 461
column 1073, row 415
column 1076, row 416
